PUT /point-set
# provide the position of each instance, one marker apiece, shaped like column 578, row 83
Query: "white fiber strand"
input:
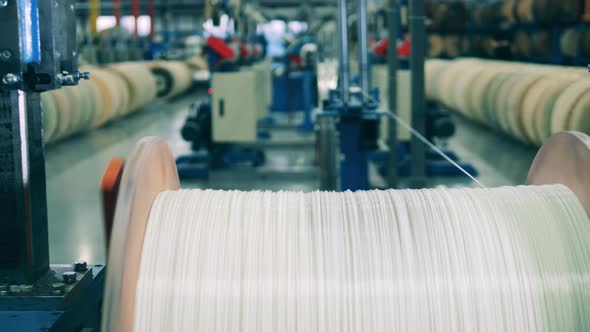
column 507, row 259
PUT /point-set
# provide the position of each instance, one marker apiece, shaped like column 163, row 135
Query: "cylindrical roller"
column 560, row 117
column 140, row 83
column 50, row 116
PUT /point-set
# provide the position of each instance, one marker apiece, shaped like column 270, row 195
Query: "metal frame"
column 393, row 23
column 418, row 39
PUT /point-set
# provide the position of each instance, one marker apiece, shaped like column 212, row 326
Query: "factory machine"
column 38, row 53
column 439, row 125
column 223, row 130
column 295, row 81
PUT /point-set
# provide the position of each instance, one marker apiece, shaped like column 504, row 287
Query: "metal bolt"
column 58, row 288
column 3, row 289
column 69, row 277
column 10, row 79
column 3, row 3
column 26, row 288
column 14, row 289
column 82, row 75
column 5, row 55
column 80, row 266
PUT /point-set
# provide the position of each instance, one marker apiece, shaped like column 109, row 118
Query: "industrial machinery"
column 38, row 54
column 295, row 81
column 238, row 97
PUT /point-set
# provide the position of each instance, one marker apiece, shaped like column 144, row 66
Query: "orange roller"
column 109, row 187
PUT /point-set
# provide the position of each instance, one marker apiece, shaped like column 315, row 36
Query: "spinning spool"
column 148, row 193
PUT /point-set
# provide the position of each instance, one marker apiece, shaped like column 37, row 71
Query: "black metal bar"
column 24, row 249
column 418, row 42
column 393, row 22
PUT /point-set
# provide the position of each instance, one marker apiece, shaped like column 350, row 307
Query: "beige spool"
column 114, row 95
column 500, row 104
column 524, row 11
column 64, row 108
column 564, row 159
column 490, row 115
column 579, row 119
column 50, row 116
column 514, row 125
column 436, row 45
column 434, row 69
column 570, row 42
column 544, row 114
column 181, row 73
column 141, row 84
column 562, row 110
column 87, row 105
column 449, row 78
column 98, row 104
column 507, row 11
column 149, row 170
column 539, row 102
column 479, row 87
column 463, row 87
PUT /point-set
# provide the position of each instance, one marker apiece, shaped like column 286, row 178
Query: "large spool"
column 527, row 101
column 199, row 260
column 172, row 78
column 140, row 83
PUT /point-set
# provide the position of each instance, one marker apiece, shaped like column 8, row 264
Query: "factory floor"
column 75, row 167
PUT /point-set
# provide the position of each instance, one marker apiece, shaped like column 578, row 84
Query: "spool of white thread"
column 509, row 259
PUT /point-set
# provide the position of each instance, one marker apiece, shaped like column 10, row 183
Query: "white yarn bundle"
column 507, row 259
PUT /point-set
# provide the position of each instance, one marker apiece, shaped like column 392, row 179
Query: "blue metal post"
column 354, row 174
column 307, row 82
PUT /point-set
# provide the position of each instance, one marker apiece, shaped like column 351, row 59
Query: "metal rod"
column 328, row 145
column 393, row 23
column 363, row 52
column 343, row 76
column 418, row 42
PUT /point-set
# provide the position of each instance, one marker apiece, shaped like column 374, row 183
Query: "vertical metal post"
column 117, row 11
column 363, row 51
column 94, row 6
column 418, row 42
column 135, row 11
column 343, row 68
column 24, row 248
column 328, row 153
column 393, row 23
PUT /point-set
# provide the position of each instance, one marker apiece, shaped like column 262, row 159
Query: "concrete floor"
column 75, row 167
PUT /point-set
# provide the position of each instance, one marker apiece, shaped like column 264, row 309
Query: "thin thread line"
column 427, row 142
